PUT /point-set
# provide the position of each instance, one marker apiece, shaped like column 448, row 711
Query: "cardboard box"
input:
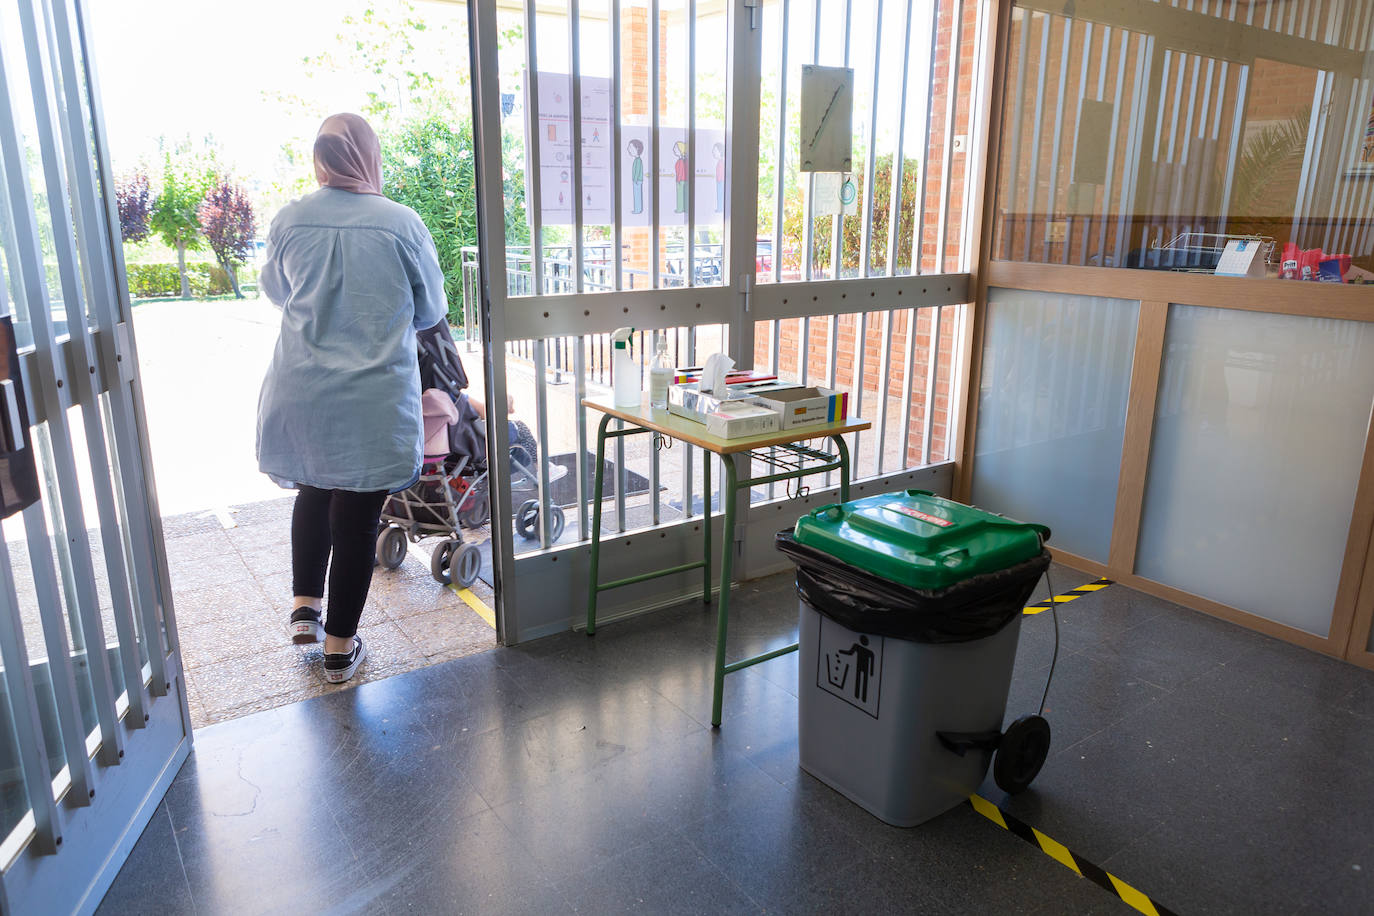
column 806, row 406
column 737, row 419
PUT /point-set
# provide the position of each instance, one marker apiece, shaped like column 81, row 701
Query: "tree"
column 227, row 222
column 175, row 217
column 134, row 198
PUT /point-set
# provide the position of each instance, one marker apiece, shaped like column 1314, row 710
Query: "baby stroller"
column 451, row 492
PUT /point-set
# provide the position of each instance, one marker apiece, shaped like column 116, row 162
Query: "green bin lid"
column 919, row 540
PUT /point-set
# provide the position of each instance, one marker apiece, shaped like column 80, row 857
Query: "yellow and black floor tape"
column 1066, row 857
column 1072, row 594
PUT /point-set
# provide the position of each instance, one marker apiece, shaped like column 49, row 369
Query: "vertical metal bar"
column 656, row 92
column 541, row 423
column 580, row 386
column 56, row 394
column 780, row 168
column 884, row 386
column 689, row 485
column 837, row 220
column 617, row 233
column 1078, row 118
column 1056, row 133
column 1124, row 45
column 932, row 377
column 1032, row 178
column 1145, row 68
column 894, row 203
column 866, row 238
column 809, row 204
column 1018, row 113
column 575, row 58
column 951, row 106
column 28, row 724
column 908, row 368
column 692, row 143
column 534, row 179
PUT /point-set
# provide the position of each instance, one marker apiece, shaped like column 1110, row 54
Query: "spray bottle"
column 623, row 368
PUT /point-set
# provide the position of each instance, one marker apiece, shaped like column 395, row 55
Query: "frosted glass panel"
column 1259, row 433
column 1052, row 412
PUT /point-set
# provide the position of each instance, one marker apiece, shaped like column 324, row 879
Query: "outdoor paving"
column 232, row 590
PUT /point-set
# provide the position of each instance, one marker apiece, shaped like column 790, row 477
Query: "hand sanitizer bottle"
column 660, row 375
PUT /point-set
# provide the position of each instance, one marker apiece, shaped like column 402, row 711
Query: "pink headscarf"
column 348, row 155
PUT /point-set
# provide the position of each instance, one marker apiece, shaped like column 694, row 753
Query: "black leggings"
column 345, row 523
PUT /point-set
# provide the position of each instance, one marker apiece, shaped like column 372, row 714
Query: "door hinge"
column 753, row 7
column 746, row 286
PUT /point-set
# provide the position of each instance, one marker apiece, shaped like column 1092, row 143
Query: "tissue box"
column 805, row 406
column 687, row 401
column 736, row 419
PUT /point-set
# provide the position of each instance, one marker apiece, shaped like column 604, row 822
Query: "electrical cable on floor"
column 1054, row 612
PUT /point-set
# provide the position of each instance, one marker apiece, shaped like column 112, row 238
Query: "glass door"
column 93, row 723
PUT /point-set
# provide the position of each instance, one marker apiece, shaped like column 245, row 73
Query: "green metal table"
column 784, row 453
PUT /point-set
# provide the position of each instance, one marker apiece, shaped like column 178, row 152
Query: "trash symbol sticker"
column 849, row 665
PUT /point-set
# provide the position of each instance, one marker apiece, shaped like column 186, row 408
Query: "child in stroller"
column 451, row 492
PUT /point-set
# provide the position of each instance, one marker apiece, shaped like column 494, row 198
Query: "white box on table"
column 737, row 419
column 806, row 406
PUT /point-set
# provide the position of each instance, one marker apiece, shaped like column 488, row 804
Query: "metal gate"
column 93, row 722
column 637, row 167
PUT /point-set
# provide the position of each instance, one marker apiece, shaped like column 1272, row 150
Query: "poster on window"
column 676, row 169
column 556, row 150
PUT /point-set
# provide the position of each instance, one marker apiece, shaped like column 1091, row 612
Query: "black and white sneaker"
column 305, row 626
column 339, row 666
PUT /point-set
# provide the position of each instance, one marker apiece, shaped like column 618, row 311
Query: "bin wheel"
column 465, row 564
column 440, row 560
column 1022, row 752
column 391, row 547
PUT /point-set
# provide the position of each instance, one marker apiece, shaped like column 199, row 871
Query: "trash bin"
column 910, row 612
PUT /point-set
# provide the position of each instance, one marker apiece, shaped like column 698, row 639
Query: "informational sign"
column 676, row 168
column 836, row 194
column 849, row 665
column 556, row 150
column 827, row 118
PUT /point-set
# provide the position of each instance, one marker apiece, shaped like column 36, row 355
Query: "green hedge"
column 147, row 281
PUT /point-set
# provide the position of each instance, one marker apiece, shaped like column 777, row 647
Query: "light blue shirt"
column 356, row 275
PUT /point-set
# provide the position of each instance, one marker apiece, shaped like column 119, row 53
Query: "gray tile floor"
column 1214, row 769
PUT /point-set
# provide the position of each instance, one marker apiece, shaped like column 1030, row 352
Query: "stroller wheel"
column 465, row 564
column 391, row 547
column 527, row 520
column 441, row 558
column 558, row 520
column 476, row 511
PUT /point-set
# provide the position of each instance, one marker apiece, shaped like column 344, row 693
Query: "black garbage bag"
column 855, row 598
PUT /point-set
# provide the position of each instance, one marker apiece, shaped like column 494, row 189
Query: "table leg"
column 844, row 467
column 706, row 525
column 597, row 485
column 727, row 561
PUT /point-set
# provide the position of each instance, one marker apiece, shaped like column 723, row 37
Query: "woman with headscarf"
column 356, row 276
